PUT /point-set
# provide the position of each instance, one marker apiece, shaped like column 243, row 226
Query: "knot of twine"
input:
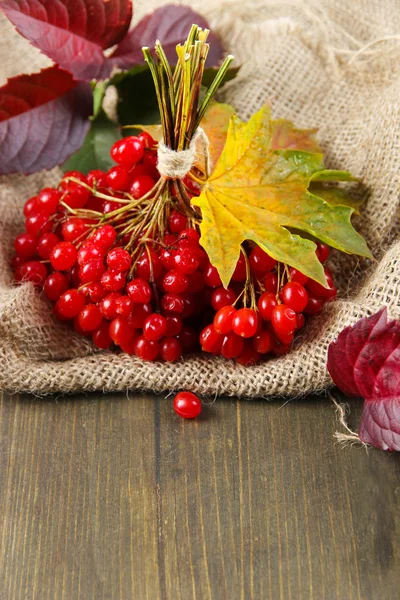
column 175, row 164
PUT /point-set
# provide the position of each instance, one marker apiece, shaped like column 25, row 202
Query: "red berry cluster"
column 154, row 292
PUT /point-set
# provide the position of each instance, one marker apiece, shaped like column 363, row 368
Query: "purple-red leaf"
column 43, row 120
column 170, row 24
column 365, row 361
column 73, row 33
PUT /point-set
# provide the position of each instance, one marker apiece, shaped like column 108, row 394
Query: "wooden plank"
column 109, row 497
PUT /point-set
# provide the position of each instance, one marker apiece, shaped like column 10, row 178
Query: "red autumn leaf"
column 43, row 120
column 169, row 24
column 73, row 33
column 365, row 361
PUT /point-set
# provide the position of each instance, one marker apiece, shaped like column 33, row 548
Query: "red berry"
column 285, row 338
column 167, row 257
column 149, row 269
column 139, row 291
column 280, row 349
column 31, row 207
column 232, row 345
column 297, row 276
column 174, row 325
column 271, row 283
column 95, row 291
column 154, row 327
column 76, row 196
column 89, row 251
column 186, row 261
column 223, row 319
column 75, row 174
column 113, row 280
column 263, row 341
column 119, row 179
column 283, row 319
column 320, row 291
column 172, row 303
column 239, row 274
column 90, row 318
column 146, row 349
column 188, row 238
column 266, row 303
column 121, row 330
column 97, row 178
column 129, row 346
column 123, row 306
column 25, row 245
column 63, row 256
column 222, row 297
column 175, row 282
column 210, row 340
column 188, row 338
column 177, row 222
column 260, row 262
column 249, row 355
column 211, row 277
column 141, row 186
column 73, row 229
column 101, row 337
column 47, row 201
column 171, row 349
column 245, row 323
column 55, row 285
column 187, row 405
column 127, row 151
column 91, row 271
column 108, row 305
column 300, row 321
column 105, row 236
column 196, row 282
column 37, row 223
column 70, row 304
column 314, row 305
column 118, row 259
column 146, row 140
column 322, row 252
column 46, row 243
column 139, row 314
column 294, row 296
column 33, row 271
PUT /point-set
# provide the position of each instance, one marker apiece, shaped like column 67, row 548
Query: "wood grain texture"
column 110, row 497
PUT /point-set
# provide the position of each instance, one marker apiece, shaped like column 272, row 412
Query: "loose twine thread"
column 175, row 164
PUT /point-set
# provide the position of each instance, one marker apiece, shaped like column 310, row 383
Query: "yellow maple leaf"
column 260, row 194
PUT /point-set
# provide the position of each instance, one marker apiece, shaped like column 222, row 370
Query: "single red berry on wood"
column 187, row 405
column 245, row 322
column 70, row 303
column 283, row 319
column 90, row 318
column 146, row 349
column 154, row 327
column 25, row 245
column 170, row 349
column 224, row 318
column 266, row 303
column 55, row 285
column 63, row 256
column 294, row 296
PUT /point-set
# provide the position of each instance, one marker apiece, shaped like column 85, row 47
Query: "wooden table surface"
column 115, row 497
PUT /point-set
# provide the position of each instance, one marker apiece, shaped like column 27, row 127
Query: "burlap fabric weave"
column 315, row 63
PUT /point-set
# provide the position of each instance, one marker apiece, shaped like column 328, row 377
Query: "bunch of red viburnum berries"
column 155, row 298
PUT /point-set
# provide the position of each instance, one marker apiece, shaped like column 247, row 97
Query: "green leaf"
column 332, row 175
column 258, row 194
column 137, row 98
column 336, row 196
column 210, row 73
column 95, row 151
column 98, row 94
